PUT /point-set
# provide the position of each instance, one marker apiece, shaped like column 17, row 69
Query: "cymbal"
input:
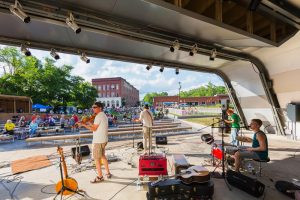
column 244, row 139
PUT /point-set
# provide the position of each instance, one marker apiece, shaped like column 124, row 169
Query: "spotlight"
column 72, row 24
column 193, row 50
column 213, row 54
column 25, row 50
column 148, row 67
column 84, row 58
column 175, row 46
column 161, row 69
column 54, row 54
column 177, row 71
column 17, row 10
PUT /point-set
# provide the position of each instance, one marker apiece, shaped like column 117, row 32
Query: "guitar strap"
column 150, row 117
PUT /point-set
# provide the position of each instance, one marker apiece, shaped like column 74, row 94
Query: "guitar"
column 194, row 174
column 69, row 182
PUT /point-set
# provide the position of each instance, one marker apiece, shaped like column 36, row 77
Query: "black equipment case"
column 245, row 183
column 83, row 151
column 161, row 140
column 175, row 189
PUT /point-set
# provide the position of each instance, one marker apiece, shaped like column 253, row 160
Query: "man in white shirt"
column 146, row 118
column 100, row 139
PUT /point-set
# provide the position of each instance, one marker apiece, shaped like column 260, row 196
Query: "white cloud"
column 136, row 74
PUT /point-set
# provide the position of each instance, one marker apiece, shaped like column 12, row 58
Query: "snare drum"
column 217, row 149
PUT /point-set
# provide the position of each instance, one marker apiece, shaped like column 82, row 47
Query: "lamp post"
column 179, row 93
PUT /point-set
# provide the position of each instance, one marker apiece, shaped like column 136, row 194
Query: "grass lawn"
column 204, row 121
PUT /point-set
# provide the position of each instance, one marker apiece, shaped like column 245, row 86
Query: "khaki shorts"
column 98, row 150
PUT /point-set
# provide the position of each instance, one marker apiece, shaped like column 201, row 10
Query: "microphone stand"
column 222, row 126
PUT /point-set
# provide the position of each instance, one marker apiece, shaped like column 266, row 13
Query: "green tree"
column 148, row 98
column 44, row 83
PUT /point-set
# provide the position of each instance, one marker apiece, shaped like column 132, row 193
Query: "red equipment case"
column 153, row 165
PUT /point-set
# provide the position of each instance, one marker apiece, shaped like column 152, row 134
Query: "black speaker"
column 161, row 140
column 84, row 151
column 245, row 183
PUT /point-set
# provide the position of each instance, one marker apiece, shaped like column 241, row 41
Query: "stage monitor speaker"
column 293, row 112
column 84, row 151
column 161, row 140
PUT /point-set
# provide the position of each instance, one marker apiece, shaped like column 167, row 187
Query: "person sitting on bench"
column 259, row 149
column 9, row 127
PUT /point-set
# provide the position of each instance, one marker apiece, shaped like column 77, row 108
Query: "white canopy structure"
column 252, row 44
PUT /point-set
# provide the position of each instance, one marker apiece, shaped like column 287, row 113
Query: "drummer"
column 259, row 149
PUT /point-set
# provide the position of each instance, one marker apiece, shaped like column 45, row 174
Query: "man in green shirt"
column 234, row 120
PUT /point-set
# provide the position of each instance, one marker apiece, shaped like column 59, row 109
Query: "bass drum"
column 69, row 183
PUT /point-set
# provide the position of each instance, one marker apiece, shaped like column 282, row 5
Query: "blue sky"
column 136, row 74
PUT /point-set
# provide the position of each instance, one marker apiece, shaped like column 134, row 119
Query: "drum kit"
column 230, row 149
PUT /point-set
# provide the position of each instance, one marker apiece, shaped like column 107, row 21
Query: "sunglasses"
column 95, row 107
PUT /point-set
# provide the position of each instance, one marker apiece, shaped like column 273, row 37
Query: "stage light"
column 213, row 54
column 72, row 24
column 84, row 58
column 54, row 54
column 17, row 10
column 177, row 71
column 148, row 67
column 25, row 50
column 161, row 69
column 175, row 46
column 193, row 50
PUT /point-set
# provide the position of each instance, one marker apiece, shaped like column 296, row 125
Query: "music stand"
column 63, row 187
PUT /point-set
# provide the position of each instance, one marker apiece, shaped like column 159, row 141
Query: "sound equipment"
column 153, row 165
column 82, row 150
column 161, row 140
column 287, row 188
column 245, row 183
column 194, row 174
column 179, row 163
column 175, row 189
column 207, row 138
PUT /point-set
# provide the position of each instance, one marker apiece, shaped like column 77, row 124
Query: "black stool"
column 261, row 161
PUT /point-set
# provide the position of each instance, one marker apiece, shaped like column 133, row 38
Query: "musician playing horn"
column 259, row 149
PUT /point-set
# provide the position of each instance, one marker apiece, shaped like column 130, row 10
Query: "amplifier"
column 161, row 140
column 153, row 165
column 84, row 150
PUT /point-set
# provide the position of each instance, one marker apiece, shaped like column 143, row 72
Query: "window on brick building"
column 99, row 87
column 112, row 94
column 103, row 87
column 107, row 87
column 117, row 86
column 112, row 86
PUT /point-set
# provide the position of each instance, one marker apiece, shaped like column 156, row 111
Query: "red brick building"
column 113, row 91
column 195, row 101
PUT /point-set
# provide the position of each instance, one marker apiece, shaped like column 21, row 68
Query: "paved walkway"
column 39, row 184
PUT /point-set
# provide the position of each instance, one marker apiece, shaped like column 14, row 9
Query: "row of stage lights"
column 18, row 11
column 193, row 51
column 161, row 69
